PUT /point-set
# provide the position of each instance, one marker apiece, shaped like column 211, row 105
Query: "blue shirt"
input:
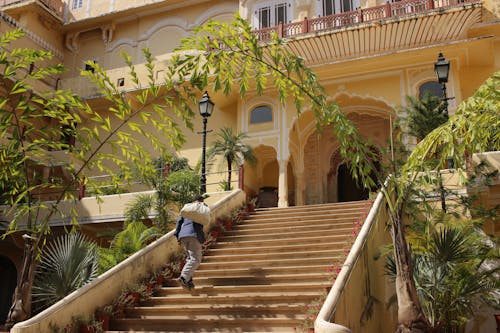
column 188, row 228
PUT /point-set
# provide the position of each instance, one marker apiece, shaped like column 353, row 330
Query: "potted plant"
column 251, row 205
column 121, row 303
column 87, row 325
column 217, row 230
column 103, row 315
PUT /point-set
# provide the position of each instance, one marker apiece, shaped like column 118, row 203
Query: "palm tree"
column 232, row 148
column 67, row 263
column 451, row 271
column 131, row 239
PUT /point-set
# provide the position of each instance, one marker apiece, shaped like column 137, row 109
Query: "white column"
column 282, row 184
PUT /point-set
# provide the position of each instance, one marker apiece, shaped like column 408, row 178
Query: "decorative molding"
column 120, row 42
column 171, row 21
column 213, row 12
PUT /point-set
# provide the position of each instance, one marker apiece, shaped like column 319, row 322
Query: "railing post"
column 305, row 26
column 81, row 190
column 241, row 177
column 280, row 30
column 388, row 11
column 360, row 13
column 430, row 4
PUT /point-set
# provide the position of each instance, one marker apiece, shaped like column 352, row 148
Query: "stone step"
column 215, row 310
column 250, row 227
column 304, row 253
column 269, row 263
column 274, row 297
column 307, row 216
column 328, row 206
column 285, row 228
column 279, row 240
column 225, row 251
column 238, row 280
column 288, row 234
column 215, row 323
column 263, row 271
column 248, row 290
column 215, row 330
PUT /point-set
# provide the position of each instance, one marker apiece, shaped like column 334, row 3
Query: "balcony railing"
column 54, row 6
column 346, row 19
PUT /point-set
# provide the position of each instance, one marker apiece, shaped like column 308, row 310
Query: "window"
column 272, row 14
column 331, row 7
column 89, row 67
column 77, row 4
column 261, row 114
column 432, row 87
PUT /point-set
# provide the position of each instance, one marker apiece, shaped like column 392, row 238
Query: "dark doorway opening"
column 348, row 188
column 8, row 281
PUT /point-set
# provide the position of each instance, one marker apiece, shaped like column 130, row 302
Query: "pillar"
column 282, row 184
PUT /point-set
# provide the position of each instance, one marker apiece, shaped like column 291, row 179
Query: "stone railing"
column 357, row 300
column 346, row 19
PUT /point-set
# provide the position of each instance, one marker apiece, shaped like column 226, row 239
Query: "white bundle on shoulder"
column 196, row 211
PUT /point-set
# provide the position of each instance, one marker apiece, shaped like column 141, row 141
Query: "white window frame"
column 77, row 4
column 272, row 7
column 339, row 6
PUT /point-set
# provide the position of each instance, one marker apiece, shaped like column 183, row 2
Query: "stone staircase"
column 259, row 277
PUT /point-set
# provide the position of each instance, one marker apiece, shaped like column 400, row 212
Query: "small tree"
column 425, row 114
column 67, row 263
column 233, row 150
column 34, row 125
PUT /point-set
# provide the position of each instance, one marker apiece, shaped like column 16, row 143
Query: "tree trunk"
column 21, row 300
column 442, row 195
column 410, row 315
column 229, row 164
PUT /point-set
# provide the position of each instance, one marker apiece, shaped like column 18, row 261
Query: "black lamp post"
column 442, row 69
column 206, row 107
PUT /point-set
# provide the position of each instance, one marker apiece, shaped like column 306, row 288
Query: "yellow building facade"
column 368, row 54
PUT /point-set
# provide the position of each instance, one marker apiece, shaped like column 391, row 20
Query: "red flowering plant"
column 311, row 312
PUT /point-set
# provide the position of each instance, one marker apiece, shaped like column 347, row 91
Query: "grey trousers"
column 194, row 255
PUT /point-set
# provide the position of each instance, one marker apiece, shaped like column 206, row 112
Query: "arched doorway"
column 348, row 188
column 261, row 180
column 8, row 281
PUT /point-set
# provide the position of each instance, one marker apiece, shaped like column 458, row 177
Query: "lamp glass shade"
column 206, row 105
column 442, row 69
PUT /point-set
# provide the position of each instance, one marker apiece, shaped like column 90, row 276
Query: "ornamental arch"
column 322, row 176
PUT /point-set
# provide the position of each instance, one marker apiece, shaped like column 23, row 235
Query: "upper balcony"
column 379, row 30
column 387, row 11
column 55, row 7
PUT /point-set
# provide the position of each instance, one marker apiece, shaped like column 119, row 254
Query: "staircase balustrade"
column 359, row 283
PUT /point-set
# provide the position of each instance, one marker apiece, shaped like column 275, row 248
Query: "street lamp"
column 442, row 69
column 206, row 107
